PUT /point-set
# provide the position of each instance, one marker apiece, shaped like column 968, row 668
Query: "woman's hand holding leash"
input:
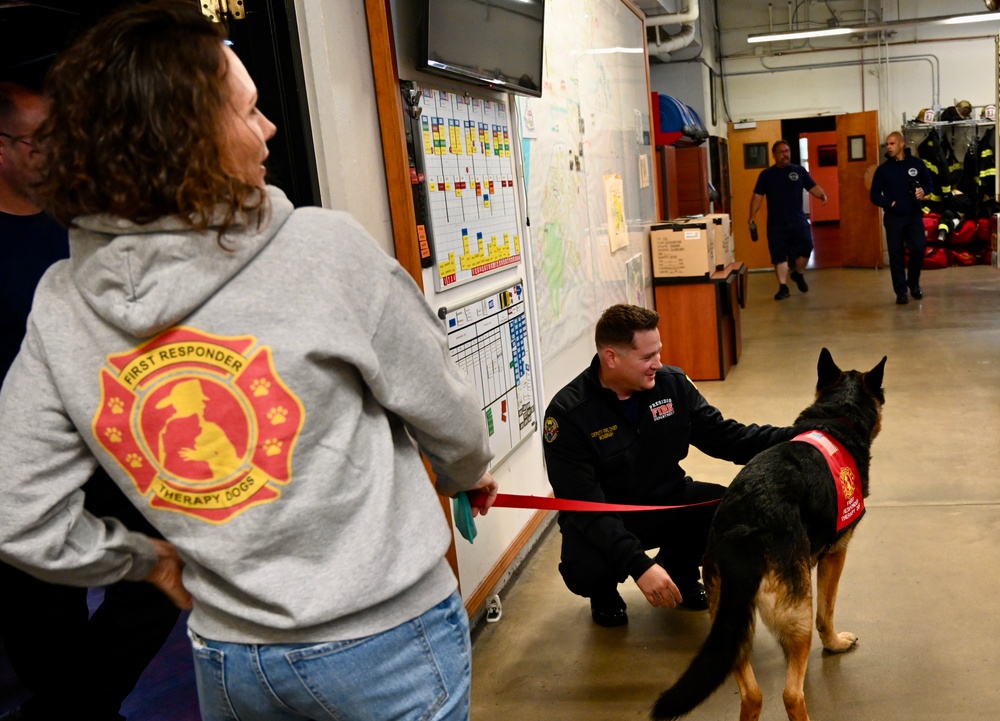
column 483, row 501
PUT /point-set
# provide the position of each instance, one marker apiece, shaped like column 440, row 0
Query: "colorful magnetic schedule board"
column 489, row 341
column 469, row 178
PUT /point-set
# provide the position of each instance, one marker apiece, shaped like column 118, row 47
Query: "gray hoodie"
column 258, row 398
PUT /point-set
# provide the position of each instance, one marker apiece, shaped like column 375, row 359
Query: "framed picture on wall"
column 856, row 147
column 755, row 155
column 827, row 156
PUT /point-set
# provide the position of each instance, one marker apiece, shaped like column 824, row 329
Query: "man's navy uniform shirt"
column 783, row 188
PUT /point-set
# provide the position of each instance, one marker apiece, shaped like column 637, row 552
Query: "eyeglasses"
column 26, row 139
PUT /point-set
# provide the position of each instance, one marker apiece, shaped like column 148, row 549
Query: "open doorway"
column 814, row 146
column 856, row 236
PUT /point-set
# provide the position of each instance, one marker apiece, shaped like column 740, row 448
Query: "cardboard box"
column 682, row 248
column 725, row 246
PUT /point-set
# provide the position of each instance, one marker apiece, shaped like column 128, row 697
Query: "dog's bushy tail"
column 739, row 579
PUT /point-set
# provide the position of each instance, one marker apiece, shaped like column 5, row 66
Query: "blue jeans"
column 419, row 671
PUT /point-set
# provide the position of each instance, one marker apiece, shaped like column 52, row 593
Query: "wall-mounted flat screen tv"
column 497, row 43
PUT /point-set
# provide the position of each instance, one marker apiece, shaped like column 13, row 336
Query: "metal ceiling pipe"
column 683, row 39
column 684, row 17
column 674, row 42
column 931, row 60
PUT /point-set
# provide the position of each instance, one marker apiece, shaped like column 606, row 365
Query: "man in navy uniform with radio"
column 898, row 186
column 789, row 237
column 617, row 434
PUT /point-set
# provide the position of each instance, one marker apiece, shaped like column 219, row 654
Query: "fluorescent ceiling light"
column 959, row 19
column 774, row 37
column 606, row 51
column 891, row 25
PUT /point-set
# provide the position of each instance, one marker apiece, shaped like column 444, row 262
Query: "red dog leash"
column 546, row 503
column 462, row 511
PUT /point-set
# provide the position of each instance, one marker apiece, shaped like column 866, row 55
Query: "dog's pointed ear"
column 873, row 378
column 826, row 370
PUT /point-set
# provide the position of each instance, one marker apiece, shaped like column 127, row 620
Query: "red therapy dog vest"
column 847, row 479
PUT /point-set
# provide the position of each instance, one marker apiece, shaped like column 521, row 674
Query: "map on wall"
column 469, row 180
column 591, row 123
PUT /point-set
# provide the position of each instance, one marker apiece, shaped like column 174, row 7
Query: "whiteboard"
column 588, row 168
column 469, row 185
column 489, row 341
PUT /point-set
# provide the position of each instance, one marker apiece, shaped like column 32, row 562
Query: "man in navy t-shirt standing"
column 789, row 237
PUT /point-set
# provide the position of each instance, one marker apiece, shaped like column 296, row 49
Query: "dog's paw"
column 842, row 643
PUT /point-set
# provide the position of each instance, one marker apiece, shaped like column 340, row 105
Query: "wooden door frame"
column 742, row 181
column 860, row 220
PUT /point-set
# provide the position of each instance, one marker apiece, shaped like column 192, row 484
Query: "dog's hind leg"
column 796, row 638
column 751, row 699
column 785, row 605
column 796, row 644
column 828, row 573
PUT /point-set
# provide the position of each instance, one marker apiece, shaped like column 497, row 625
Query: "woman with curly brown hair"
column 152, row 130
column 238, row 367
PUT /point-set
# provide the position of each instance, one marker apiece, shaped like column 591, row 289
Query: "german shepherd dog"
column 777, row 520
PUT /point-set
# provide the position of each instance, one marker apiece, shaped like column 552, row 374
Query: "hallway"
column 826, row 243
column 921, row 583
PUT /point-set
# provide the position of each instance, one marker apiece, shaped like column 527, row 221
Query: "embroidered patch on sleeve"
column 550, row 430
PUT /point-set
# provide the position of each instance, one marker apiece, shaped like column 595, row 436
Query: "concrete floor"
column 921, row 587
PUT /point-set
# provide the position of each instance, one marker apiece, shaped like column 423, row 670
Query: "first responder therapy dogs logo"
column 202, row 424
column 848, row 482
column 912, row 172
column 850, row 506
column 793, row 176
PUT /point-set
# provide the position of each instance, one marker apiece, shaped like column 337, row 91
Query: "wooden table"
column 700, row 321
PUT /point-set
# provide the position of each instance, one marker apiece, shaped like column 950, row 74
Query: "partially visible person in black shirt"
column 75, row 665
